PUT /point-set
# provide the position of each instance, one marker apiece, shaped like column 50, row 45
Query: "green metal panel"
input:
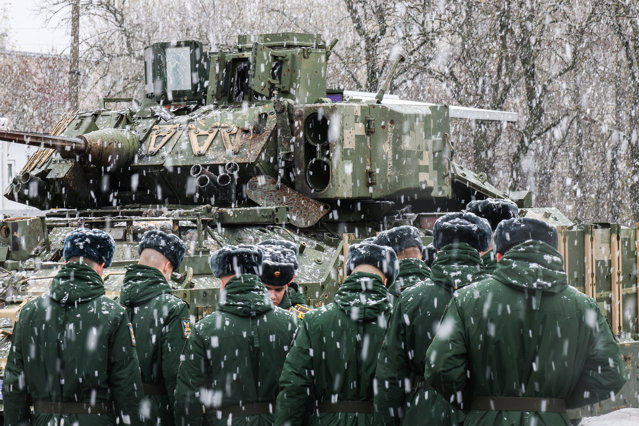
column 83, row 123
column 251, row 216
column 415, row 148
column 603, row 275
column 23, row 237
column 375, row 151
column 178, row 150
column 200, row 299
column 110, row 120
column 574, row 259
column 629, row 280
column 547, row 214
column 309, row 87
column 333, row 135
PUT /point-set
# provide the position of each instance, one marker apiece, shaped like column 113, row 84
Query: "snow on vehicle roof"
column 454, row 111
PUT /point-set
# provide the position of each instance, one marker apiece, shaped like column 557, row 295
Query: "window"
column 148, row 70
column 10, row 171
column 178, row 68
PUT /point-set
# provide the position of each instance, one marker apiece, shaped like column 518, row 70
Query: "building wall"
column 13, row 157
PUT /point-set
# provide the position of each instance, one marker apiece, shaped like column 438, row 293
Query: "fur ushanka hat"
column 232, row 260
column 512, row 232
column 92, row 244
column 493, row 210
column 400, row 238
column 171, row 246
column 462, row 228
column 383, row 258
column 278, row 264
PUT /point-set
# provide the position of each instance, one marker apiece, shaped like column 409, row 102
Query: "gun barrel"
column 60, row 143
column 113, row 148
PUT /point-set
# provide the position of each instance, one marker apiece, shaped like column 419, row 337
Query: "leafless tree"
column 622, row 17
column 371, row 21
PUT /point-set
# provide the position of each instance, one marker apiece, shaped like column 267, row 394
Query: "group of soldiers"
column 479, row 328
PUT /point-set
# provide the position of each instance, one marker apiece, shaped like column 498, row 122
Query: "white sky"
column 28, row 30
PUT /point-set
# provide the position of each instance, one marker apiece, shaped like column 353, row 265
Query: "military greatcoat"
column 233, row 359
column 72, row 345
column 334, row 357
column 402, row 396
column 161, row 325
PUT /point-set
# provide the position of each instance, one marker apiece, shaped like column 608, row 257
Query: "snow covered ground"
column 625, row 417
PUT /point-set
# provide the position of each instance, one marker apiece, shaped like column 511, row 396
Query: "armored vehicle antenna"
column 330, row 47
column 380, row 94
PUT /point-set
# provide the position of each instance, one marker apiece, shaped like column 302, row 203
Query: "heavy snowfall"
column 568, row 68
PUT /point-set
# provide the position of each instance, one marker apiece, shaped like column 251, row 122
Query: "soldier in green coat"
column 401, row 395
column 494, row 210
column 73, row 356
column 406, row 241
column 522, row 346
column 233, row 358
column 160, row 320
column 278, row 273
column 328, row 375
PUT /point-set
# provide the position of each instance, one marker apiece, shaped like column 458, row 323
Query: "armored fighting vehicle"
column 229, row 148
